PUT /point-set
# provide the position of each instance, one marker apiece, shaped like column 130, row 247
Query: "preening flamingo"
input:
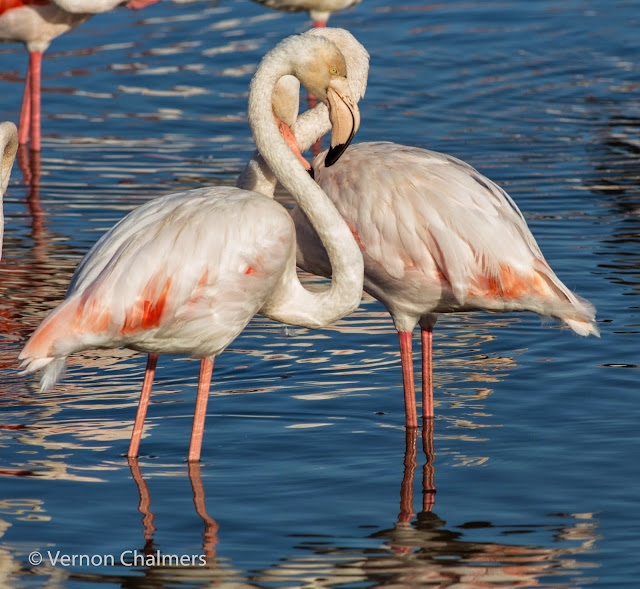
column 184, row 273
column 319, row 10
column 436, row 237
column 8, row 149
column 36, row 23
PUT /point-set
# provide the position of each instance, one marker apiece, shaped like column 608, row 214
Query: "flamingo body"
column 133, row 290
column 186, row 272
column 36, row 23
column 319, row 10
column 436, row 237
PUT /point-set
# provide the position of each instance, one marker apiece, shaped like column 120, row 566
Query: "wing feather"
column 419, row 209
column 182, row 273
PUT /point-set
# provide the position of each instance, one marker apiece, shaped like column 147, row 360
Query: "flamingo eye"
column 334, row 70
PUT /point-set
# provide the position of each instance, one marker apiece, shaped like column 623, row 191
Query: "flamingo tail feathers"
column 45, row 349
column 576, row 312
column 586, row 326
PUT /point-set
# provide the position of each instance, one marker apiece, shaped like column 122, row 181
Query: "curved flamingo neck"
column 302, row 307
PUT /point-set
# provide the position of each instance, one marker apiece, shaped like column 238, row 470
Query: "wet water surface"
column 528, row 476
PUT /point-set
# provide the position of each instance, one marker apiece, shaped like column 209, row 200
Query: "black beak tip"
column 311, row 173
column 334, row 153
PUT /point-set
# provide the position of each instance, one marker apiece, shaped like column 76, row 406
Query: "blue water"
column 307, row 478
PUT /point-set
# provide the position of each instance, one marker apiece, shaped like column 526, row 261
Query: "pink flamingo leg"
column 25, row 111
column 427, row 372
column 206, row 368
column 35, row 64
column 136, row 434
column 406, row 358
column 318, row 24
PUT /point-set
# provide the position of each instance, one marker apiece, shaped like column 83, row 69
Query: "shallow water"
column 307, row 477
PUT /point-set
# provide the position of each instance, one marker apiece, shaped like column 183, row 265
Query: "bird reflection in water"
column 428, row 552
column 419, row 550
column 210, row 534
column 206, row 568
column 31, row 168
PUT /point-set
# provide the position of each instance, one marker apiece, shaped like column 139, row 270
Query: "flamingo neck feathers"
column 257, row 176
column 304, row 308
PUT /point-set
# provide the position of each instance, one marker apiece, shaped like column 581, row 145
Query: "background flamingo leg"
column 138, row 425
column 406, row 358
column 35, row 65
column 206, row 368
column 427, row 371
column 25, row 111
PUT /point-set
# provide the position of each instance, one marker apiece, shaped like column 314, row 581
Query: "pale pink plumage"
column 436, row 237
column 36, row 23
column 319, row 10
column 184, row 273
column 8, row 149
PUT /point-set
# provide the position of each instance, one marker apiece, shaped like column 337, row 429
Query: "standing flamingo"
column 184, row 273
column 8, row 149
column 436, row 237
column 36, row 23
column 319, row 10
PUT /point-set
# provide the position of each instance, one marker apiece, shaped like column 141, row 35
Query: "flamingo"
column 8, row 149
column 319, row 10
column 436, row 237
column 184, row 273
column 36, row 23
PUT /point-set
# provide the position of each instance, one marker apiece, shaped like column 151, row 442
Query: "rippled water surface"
column 307, row 476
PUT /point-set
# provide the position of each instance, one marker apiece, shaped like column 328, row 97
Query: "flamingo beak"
column 344, row 116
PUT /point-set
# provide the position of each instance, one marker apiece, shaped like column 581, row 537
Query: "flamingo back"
column 437, row 236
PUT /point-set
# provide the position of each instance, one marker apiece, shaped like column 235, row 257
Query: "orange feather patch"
column 95, row 319
column 146, row 313
column 510, row 285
